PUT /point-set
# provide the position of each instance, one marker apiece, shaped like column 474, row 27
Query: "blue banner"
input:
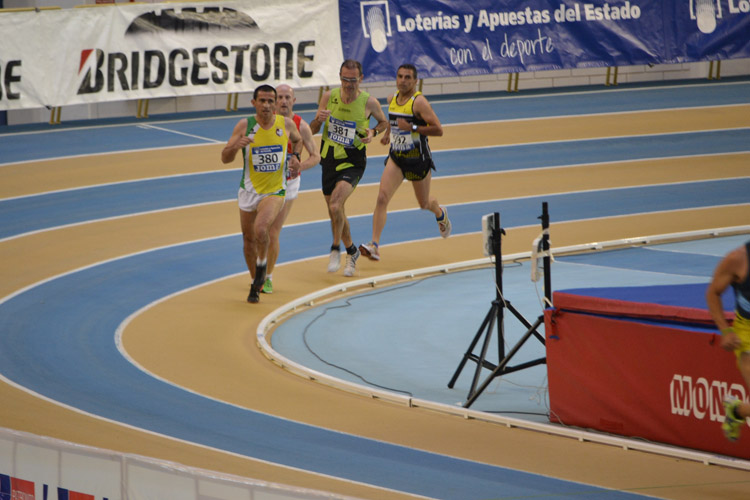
column 449, row 38
column 701, row 30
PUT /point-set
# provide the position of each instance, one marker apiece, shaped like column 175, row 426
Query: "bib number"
column 401, row 140
column 267, row 158
column 342, row 131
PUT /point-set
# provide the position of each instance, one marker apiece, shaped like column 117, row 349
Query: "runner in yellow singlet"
column 344, row 114
column 263, row 141
column 734, row 271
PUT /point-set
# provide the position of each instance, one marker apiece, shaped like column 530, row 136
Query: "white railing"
column 268, row 323
column 37, row 464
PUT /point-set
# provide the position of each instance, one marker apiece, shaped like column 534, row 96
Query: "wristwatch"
column 413, row 127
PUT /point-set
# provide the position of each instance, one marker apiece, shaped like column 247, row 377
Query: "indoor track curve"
column 160, row 225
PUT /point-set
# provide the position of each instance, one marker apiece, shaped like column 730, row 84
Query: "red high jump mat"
column 642, row 362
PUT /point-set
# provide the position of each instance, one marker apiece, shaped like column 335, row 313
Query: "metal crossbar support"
column 512, row 82
column 54, row 116
column 611, row 76
column 142, row 108
column 711, row 70
column 547, row 259
column 232, row 100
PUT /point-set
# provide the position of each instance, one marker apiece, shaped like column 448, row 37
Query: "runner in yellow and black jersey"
column 412, row 119
column 734, row 271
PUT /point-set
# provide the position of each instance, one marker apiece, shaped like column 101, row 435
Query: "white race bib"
column 267, row 158
column 342, row 131
column 401, row 140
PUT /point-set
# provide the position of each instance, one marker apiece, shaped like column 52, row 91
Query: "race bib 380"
column 267, row 158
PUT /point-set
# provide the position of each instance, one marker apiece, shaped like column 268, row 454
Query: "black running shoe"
column 260, row 276
column 254, row 296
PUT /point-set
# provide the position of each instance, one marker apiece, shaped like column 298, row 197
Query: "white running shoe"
column 445, row 224
column 351, row 264
column 334, row 262
column 370, row 250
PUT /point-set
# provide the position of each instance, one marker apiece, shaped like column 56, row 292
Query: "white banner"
column 86, row 55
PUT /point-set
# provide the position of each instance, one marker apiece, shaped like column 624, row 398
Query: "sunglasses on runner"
column 349, row 80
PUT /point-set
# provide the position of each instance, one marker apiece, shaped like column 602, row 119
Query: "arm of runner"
column 724, row 276
column 423, row 110
column 322, row 114
column 373, row 109
column 386, row 139
column 296, row 139
column 237, row 141
column 308, row 142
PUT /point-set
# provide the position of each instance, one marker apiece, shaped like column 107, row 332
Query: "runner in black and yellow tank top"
column 411, row 120
column 409, row 149
column 734, row 271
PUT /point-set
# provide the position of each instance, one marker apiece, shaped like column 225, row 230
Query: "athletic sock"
column 260, row 271
column 336, row 248
column 352, row 249
column 442, row 216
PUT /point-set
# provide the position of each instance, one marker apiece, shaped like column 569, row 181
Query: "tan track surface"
column 217, row 327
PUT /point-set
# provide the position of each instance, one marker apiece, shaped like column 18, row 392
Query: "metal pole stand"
column 495, row 316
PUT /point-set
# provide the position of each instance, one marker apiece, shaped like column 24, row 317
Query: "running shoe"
column 370, row 250
column 334, row 262
column 254, row 296
column 351, row 263
column 732, row 424
column 445, row 224
column 267, row 286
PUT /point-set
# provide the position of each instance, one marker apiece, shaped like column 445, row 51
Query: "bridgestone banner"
column 86, row 55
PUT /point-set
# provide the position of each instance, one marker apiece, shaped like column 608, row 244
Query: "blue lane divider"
column 94, row 138
column 32, row 213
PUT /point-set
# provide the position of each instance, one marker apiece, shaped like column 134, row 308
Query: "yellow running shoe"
column 732, row 424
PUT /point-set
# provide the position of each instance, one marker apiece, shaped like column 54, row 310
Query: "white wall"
column 40, row 462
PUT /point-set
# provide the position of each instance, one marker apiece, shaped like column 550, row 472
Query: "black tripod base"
column 485, row 330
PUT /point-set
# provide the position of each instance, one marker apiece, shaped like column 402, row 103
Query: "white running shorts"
column 249, row 200
column 292, row 188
